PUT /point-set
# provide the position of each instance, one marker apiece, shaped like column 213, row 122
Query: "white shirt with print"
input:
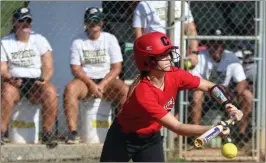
column 24, row 59
column 152, row 15
column 229, row 68
column 96, row 56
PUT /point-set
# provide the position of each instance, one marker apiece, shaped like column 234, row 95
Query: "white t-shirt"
column 24, row 59
column 223, row 72
column 96, row 56
column 152, row 15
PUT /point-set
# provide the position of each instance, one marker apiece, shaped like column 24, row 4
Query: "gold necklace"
column 161, row 84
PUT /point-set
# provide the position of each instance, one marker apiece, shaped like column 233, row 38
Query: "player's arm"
column 78, row 72
column 190, row 81
column 5, row 75
column 170, row 122
column 193, row 44
column 116, row 60
column 116, row 69
column 219, row 95
column 215, row 91
column 151, row 109
column 139, row 19
column 138, row 32
column 239, row 76
column 47, row 66
column 45, row 50
column 191, row 30
column 4, row 67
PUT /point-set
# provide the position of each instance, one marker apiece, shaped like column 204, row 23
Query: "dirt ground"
column 210, row 154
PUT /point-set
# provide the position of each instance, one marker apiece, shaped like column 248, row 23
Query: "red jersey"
column 148, row 103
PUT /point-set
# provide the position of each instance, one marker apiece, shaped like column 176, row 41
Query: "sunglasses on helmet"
column 94, row 21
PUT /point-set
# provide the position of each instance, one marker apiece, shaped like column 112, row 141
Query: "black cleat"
column 49, row 140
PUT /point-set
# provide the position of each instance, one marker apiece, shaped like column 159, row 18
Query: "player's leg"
column 116, row 90
column 115, row 147
column 74, row 91
column 152, row 151
column 10, row 95
column 196, row 106
column 46, row 95
column 246, row 107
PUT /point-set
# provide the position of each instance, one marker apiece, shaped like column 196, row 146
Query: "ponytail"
column 133, row 86
column 136, row 82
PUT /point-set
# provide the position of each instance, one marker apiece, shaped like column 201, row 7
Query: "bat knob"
column 198, row 143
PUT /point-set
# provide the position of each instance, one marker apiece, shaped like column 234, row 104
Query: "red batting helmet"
column 151, row 45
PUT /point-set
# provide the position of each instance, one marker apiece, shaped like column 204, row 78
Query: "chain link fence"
column 241, row 23
column 60, row 22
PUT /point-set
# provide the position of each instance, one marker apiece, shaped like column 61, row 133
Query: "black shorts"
column 121, row 147
column 97, row 81
column 26, row 86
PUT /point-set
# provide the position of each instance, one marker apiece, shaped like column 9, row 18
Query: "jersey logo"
column 170, row 104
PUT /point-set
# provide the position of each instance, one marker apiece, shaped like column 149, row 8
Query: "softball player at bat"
column 135, row 132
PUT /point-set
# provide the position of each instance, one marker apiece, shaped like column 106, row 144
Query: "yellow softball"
column 229, row 150
column 187, row 64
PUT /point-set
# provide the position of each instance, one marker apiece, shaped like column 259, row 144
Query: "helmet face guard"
column 150, row 46
column 174, row 57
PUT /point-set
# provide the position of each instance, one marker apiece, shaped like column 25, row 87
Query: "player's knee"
column 71, row 90
column 49, row 90
column 247, row 98
column 118, row 87
column 9, row 94
column 124, row 90
column 248, row 95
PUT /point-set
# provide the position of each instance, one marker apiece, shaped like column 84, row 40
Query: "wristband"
column 219, row 95
column 226, row 102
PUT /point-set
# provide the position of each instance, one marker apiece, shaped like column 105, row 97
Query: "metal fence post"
column 181, row 94
column 171, row 34
column 262, row 53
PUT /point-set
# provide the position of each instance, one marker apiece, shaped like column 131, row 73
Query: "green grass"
column 7, row 8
